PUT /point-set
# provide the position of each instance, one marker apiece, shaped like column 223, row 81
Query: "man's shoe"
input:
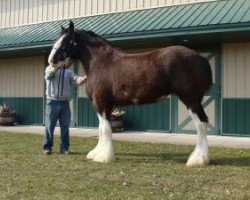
column 66, row 152
column 46, row 152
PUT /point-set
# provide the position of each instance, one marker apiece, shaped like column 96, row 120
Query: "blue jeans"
column 57, row 110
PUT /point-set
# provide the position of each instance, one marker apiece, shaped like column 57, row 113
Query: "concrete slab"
column 153, row 137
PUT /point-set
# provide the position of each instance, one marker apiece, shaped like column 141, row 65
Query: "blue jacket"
column 59, row 82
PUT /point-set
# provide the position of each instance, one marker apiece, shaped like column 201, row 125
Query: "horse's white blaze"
column 103, row 152
column 56, row 46
column 200, row 155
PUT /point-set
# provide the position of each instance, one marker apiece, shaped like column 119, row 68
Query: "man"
column 59, row 80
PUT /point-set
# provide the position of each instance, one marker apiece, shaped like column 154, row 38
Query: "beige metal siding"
column 22, row 77
column 18, row 12
column 81, row 89
column 236, row 70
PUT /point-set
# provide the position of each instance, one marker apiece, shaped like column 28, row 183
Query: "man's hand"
column 82, row 79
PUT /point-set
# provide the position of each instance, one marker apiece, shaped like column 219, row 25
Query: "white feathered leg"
column 200, row 155
column 104, row 151
column 91, row 155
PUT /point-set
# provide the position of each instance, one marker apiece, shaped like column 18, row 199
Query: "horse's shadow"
column 179, row 158
column 152, row 157
column 237, row 161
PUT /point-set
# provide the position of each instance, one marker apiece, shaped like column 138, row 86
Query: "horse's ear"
column 62, row 28
column 71, row 26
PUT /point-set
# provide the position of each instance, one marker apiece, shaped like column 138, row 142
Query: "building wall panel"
column 4, row 13
column 236, row 92
column 22, row 87
column 236, row 71
column 25, row 9
column 40, row 11
column 19, row 12
column 28, row 110
column 88, row 6
column 14, row 13
column 22, row 77
column 236, row 116
column 51, row 13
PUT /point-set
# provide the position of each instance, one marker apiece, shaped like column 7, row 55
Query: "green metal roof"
column 209, row 17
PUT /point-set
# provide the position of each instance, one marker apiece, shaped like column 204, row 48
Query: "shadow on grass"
column 239, row 161
column 62, row 154
column 180, row 158
column 153, row 157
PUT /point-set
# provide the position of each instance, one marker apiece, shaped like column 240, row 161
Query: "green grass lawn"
column 140, row 171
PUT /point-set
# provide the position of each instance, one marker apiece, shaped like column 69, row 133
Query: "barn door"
column 182, row 122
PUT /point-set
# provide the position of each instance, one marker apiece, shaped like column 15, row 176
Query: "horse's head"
column 65, row 47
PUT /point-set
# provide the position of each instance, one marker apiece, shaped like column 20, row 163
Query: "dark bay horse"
column 116, row 78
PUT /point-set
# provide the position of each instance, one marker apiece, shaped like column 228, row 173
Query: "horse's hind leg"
column 200, row 155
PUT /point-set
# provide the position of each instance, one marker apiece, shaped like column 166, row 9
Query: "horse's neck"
column 101, row 53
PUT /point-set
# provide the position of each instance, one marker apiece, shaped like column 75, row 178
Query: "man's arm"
column 50, row 72
column 79, row 80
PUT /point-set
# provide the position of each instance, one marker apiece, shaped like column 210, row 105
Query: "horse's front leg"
column 91, row 155
column 104, row 151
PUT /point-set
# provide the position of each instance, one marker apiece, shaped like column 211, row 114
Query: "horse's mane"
column 95, row 39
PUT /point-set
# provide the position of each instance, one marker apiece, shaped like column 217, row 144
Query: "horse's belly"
column 139, row 96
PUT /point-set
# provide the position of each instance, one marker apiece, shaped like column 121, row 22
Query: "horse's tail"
column 208, row 72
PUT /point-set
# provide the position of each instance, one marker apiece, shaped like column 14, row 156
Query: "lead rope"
column 62, row 81
column 59, row 84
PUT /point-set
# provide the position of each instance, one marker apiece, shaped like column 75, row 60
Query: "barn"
column 218, row 30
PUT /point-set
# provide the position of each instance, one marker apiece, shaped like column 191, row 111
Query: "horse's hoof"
column 100, row 156
column 197, row 160
column 101, row 159
column 104, row 158
column 91, row 155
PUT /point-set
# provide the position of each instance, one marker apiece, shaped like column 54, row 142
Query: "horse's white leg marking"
column 104, row 151
column 56, row 46
column 91, row 155
column 200, row 155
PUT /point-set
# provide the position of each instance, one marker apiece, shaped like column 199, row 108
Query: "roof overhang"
column 188, row 37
